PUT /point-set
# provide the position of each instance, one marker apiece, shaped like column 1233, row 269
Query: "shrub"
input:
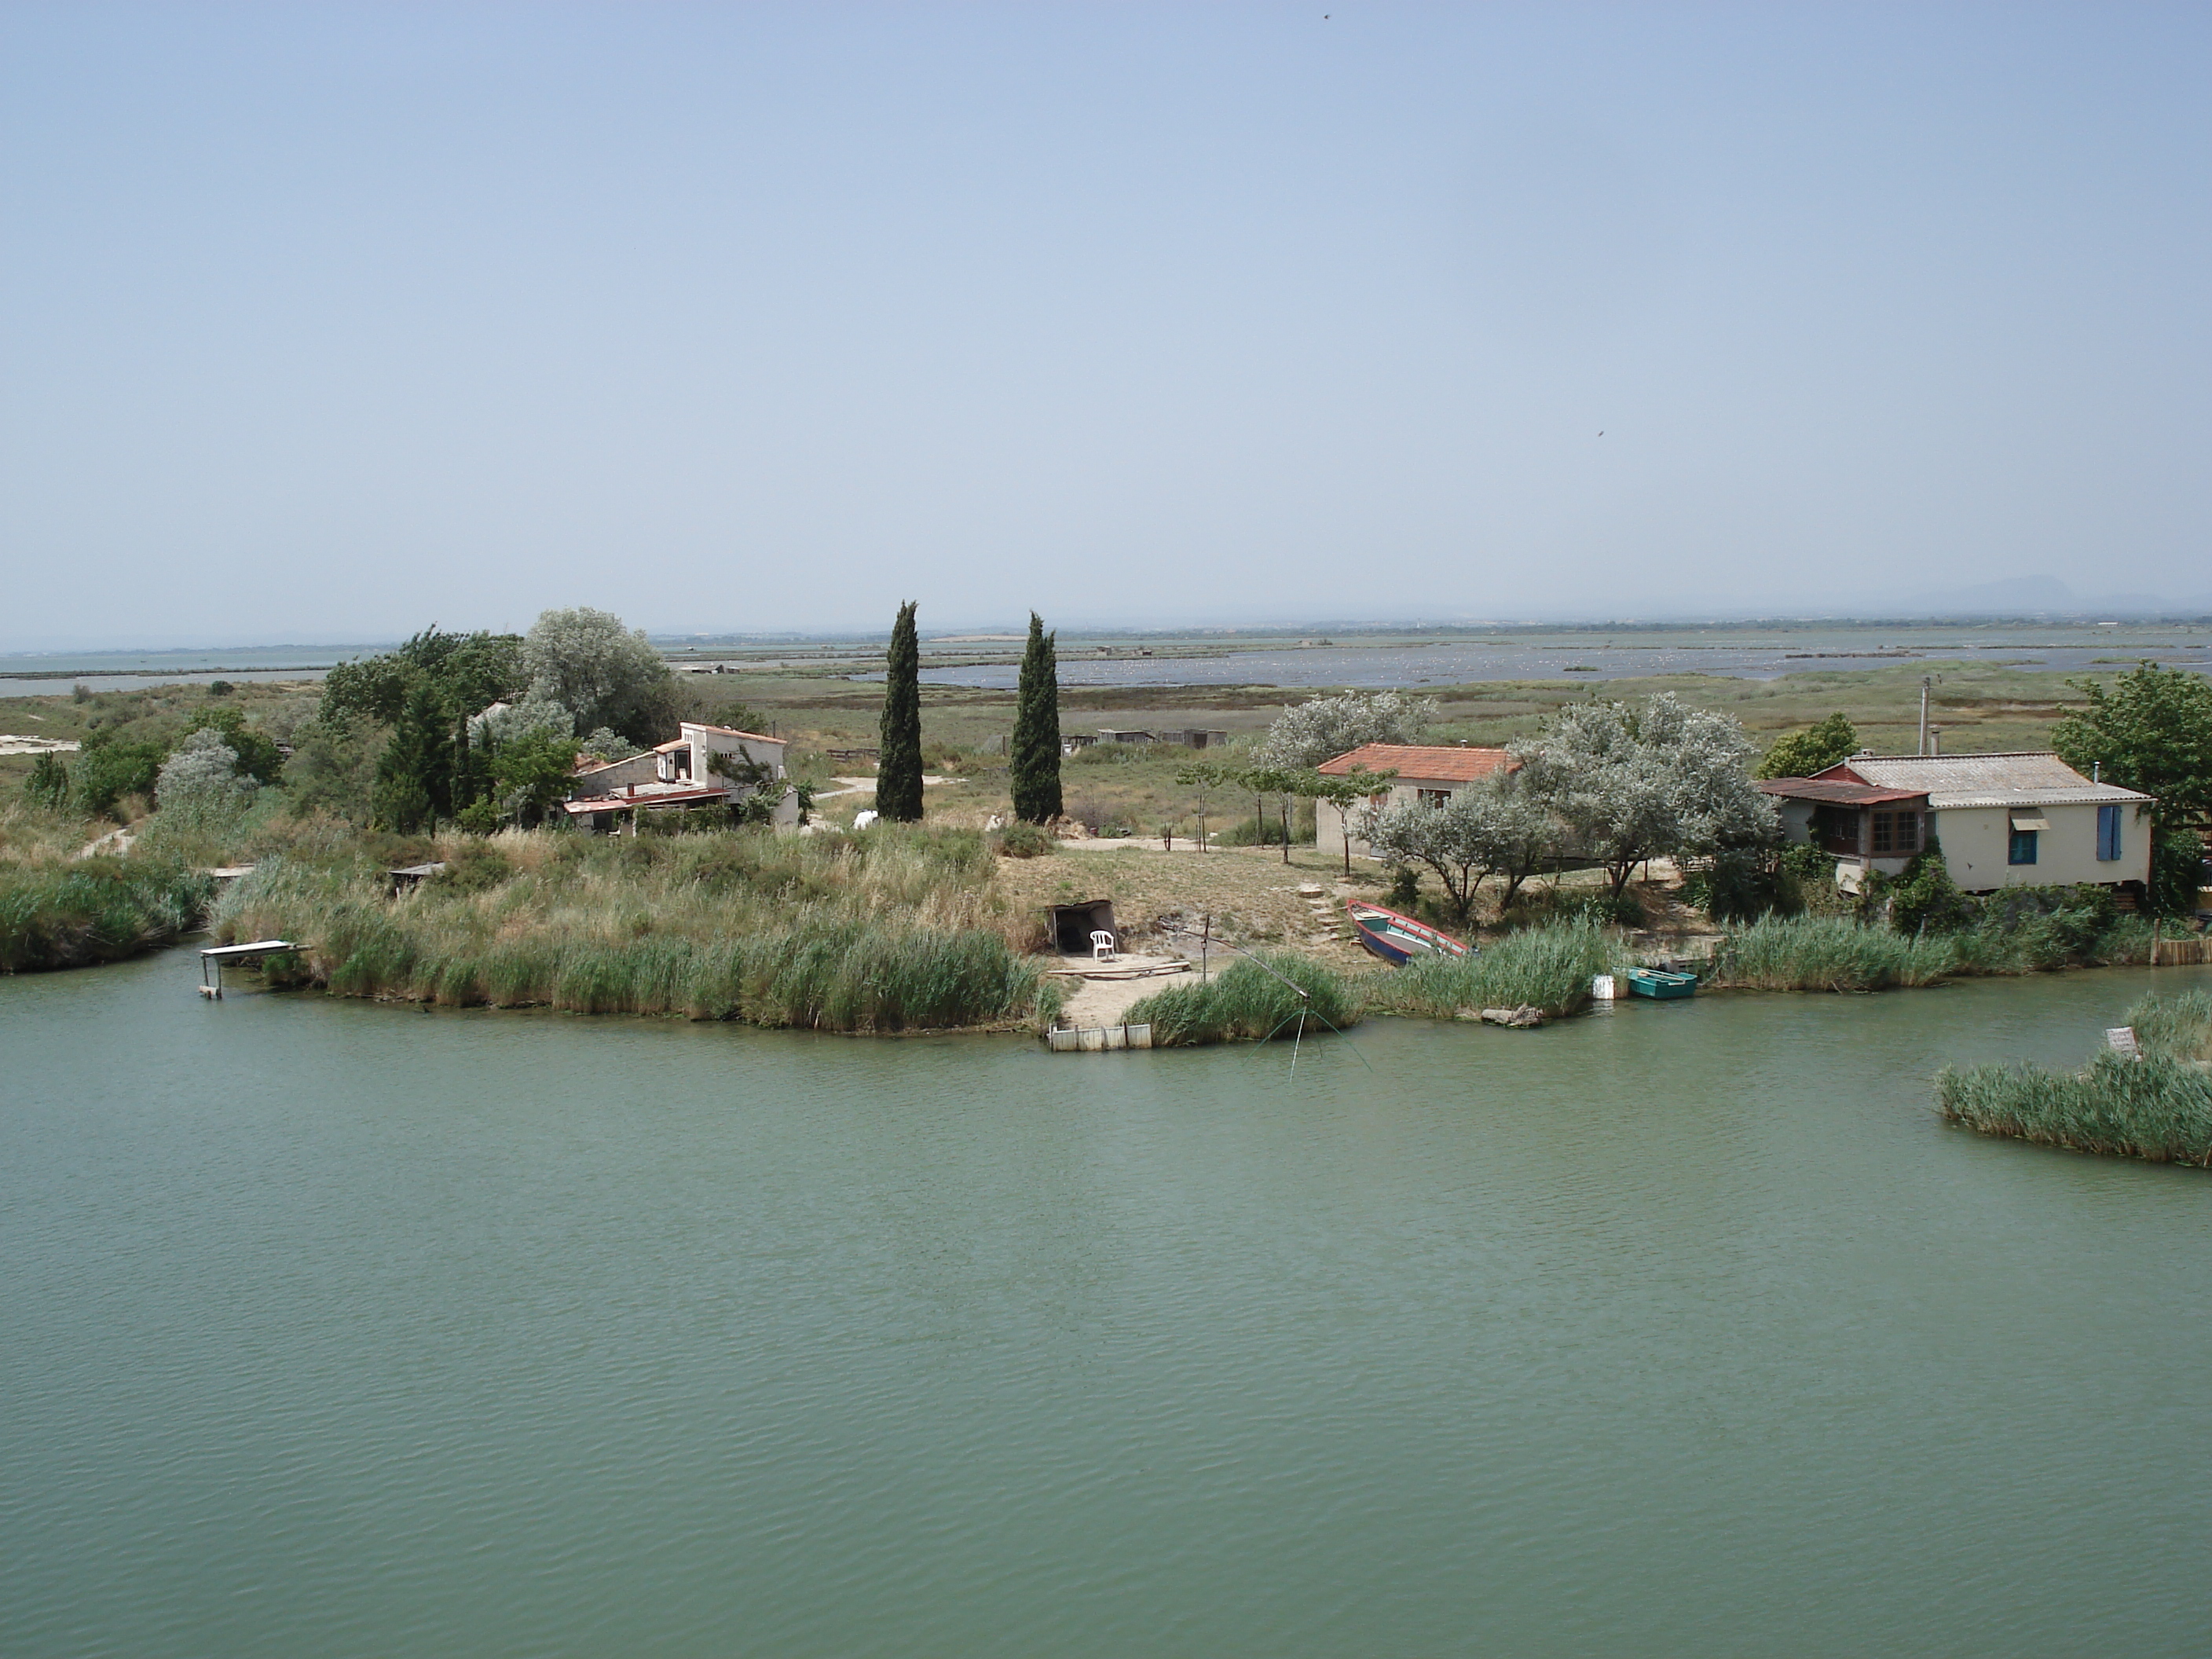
column 1022, row 840
column 1250, row 1003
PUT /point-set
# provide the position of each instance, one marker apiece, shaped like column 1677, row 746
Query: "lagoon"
column 348, row 1329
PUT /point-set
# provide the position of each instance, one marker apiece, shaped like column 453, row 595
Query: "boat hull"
column 1660, row 985
column 1399, row 939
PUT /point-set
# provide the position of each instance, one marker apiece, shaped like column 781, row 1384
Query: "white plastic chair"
column 1102, row 943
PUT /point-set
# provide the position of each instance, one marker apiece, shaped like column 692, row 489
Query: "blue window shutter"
column 2108, row 834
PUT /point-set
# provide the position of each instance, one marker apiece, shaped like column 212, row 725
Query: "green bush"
column 1924, row 898
column 1021, row 839
column 2176, row 868
column 1246, row 1003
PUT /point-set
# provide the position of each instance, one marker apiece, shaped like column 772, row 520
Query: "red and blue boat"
column 1398, row 939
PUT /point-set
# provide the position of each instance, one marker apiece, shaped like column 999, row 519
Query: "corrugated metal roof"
column 730, row 732
column 1417, row 764
column 2028, row 778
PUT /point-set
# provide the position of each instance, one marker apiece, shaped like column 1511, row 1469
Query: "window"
column 2022, row 850
column 2108, row 834
column 1433, row 797
column 1896, row 835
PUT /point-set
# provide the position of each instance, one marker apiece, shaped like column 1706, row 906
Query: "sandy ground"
column 854, row 786
column 1162, row 901
column 1103, row 1001
column 11, row 744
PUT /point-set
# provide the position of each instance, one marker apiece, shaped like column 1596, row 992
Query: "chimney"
column 1935, row 739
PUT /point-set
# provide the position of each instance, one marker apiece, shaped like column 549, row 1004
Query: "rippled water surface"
column 339, row 1329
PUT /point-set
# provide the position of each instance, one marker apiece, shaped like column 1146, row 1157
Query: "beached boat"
column 1398, row 939
column 1658, row 983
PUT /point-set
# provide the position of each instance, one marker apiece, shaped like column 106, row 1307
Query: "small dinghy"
column 1398, row 939
column 1658, row 983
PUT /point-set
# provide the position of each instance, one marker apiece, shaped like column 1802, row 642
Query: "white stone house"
column 1428, row 775
column 701, row 766
column 2007, row 820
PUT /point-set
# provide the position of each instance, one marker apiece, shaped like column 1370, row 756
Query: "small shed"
column 407, row 879
column 1071, row 925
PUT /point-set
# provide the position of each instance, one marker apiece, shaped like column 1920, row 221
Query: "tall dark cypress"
column 415, row 775
column 1034, row 753
column 898, row 768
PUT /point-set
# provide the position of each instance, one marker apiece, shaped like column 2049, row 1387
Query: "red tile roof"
column 1417, row 764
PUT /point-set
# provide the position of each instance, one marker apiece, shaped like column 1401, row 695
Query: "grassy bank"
column 1247, row 1003
column 2158, row 1107
column 1835, row 953
column 1549, row 969
column 100, row 910
column 895, row 930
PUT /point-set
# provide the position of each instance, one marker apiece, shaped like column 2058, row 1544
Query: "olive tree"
column 603, row 673
column 1495, row 827
column 1323, row 727
column 1637, row 781
column 200, row 785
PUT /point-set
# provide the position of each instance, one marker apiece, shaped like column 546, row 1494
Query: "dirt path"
column 116, row 843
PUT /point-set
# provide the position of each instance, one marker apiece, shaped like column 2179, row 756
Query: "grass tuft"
column 1247, row 1004
column 1549, row 969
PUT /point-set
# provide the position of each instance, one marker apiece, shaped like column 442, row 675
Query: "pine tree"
column 415, row 775
column 899, row 768
column 1035, row 750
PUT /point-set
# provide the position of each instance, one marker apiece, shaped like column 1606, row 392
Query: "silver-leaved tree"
column 1649, row 779
column 1323, row 727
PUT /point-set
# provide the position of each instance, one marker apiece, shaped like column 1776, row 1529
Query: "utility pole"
column 1926, row 681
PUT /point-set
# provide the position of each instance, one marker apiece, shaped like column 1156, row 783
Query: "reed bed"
column 1828, row 953
column 1247, row 1003
column 98, row 910
column 896, row 931
column 1835, row 953
column 1549, row 969
column 2158, row 1107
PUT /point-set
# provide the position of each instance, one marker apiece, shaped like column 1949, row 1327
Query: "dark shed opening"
column 1072, row 925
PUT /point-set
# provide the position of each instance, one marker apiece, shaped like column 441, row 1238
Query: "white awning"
column 2030, row 820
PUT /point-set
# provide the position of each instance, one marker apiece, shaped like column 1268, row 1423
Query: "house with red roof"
column 1428, row 775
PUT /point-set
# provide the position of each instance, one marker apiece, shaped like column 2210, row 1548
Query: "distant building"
column 1187, row 737
column 1427, row 775
column 703, row 766
column 2010, row 820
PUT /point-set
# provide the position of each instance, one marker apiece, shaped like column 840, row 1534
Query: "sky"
column 323, row 323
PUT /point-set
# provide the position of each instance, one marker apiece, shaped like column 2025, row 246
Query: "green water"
column 340, row 1330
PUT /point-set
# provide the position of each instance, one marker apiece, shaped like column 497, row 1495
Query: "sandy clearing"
column 11, row 744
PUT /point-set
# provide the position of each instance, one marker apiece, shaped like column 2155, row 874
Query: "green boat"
column 1658, row 983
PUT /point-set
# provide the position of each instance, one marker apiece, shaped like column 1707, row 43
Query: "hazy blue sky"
column 319, row 322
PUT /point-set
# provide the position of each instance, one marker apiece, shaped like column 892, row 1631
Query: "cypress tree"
column 1034, row 753
column 899, row 768
column 415, row 774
